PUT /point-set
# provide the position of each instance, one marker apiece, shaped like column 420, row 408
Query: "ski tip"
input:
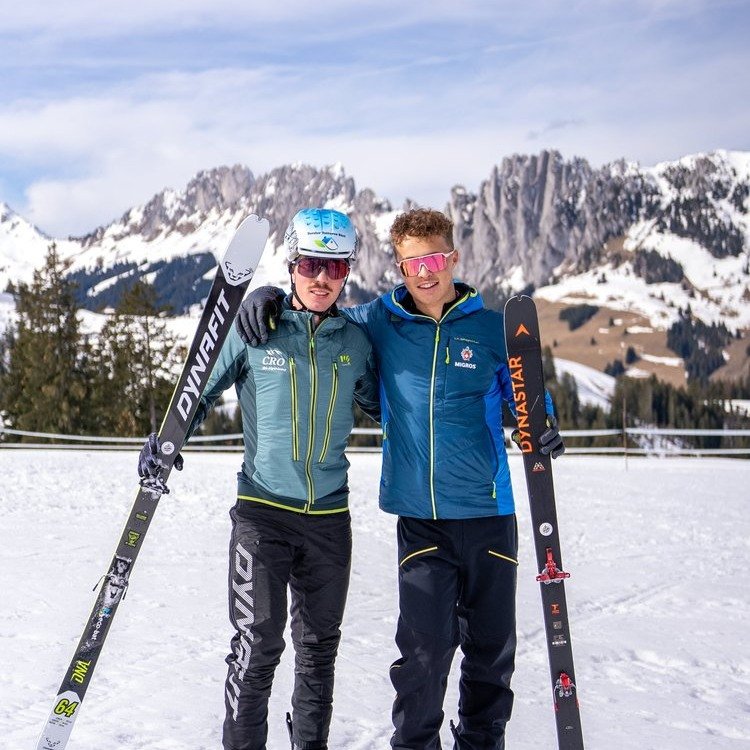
column 244, row 251
column 517, row 299
column 252, row 228
column 254, row 219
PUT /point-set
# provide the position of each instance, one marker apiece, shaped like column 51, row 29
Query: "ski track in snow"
column 657, row 551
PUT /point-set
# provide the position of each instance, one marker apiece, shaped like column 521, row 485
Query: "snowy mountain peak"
column 22, row 247
column 209, row 193
column 12, row 222
column 652, row 241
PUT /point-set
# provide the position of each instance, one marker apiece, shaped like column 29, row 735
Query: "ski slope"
column 659, row 608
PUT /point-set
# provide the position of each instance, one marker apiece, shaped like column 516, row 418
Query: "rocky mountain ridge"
column 652, row 240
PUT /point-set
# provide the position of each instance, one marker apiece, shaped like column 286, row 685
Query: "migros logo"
column 467, row 354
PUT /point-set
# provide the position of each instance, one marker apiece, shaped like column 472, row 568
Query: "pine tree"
column 44, row 384
column 548, row 365
column 137, row 359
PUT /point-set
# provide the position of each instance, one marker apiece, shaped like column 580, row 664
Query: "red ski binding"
column 550, row 573
column 564, row 687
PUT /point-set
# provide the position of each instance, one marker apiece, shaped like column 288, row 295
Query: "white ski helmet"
column 321, row 233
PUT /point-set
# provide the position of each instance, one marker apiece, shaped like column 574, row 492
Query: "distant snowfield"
column 594, row 387
column 658, row 600
column 721, row 283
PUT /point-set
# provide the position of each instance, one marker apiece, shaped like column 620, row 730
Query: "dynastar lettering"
column 515, row 364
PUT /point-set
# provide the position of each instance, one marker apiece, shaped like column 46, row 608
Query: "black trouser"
column 457, row 585
column 270, row 550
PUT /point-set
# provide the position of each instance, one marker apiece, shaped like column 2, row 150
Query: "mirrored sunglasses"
column 336, row 268
column 433, row 262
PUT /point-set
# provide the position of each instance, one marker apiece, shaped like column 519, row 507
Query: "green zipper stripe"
column 311, row 425
column 295, row 425
column 503, row 557
column 432, row 422
column 417, row 553
column 432, row 383
column 329, row 415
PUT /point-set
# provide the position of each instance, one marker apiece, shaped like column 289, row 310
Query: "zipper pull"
column 447, row 356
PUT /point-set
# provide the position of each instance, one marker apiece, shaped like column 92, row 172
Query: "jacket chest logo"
column 274, row 360
column 467, row 353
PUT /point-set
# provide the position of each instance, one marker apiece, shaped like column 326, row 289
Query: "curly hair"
column 421, row 222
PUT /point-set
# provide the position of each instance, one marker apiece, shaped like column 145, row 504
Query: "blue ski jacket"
column 442, row 384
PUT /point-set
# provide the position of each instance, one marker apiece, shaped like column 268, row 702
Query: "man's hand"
column 550, row 441
column 150, row 466
column 258, row 314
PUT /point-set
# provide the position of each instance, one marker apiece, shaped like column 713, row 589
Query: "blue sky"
column 103, row 104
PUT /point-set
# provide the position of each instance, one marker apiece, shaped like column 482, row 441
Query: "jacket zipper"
column 311, row 424
column 331, row 405
column 295, row 425
column 432, row 421
column 432, row 392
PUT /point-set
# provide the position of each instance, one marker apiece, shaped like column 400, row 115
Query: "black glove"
column 550, row 441
column 261, row 305
column 150, row 466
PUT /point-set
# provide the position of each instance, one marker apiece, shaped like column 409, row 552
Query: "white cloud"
column 414, row 102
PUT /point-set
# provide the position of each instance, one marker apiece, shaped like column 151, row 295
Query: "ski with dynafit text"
column 527, row 376
column 233, row 275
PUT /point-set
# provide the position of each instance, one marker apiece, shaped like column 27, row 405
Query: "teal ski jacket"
column 296, row 395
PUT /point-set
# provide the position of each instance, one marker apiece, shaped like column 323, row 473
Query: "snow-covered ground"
column 658, row 601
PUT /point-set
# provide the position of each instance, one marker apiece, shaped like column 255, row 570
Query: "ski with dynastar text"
column 525, row 364
column 233, row 275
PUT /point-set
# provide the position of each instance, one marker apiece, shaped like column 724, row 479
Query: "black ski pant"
column 457, row 586
column 272, row 549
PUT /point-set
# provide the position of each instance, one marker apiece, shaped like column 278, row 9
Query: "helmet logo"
column 322, row 232
column 327, row 242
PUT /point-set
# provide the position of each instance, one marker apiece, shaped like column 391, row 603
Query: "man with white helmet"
column 291, row 528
